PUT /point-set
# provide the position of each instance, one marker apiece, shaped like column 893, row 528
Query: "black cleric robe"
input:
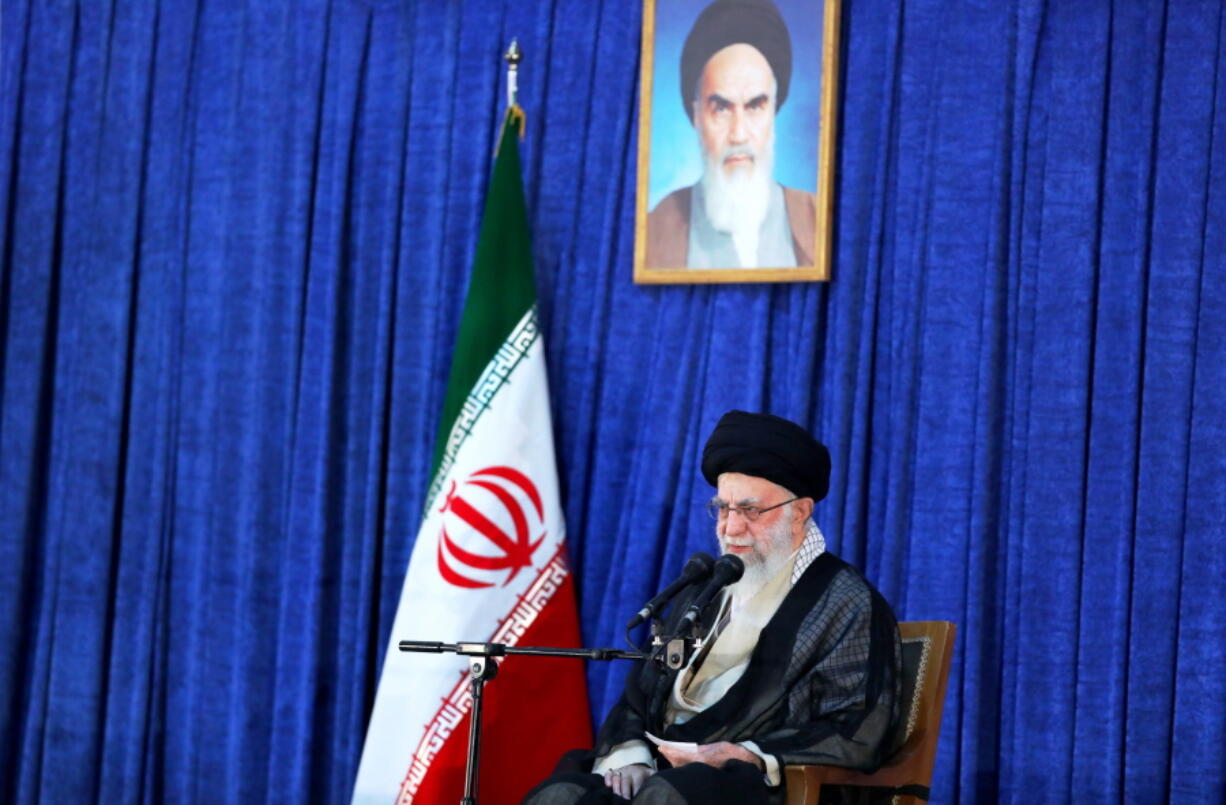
column 822, row 686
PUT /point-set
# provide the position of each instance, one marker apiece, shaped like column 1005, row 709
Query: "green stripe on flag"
column 501, row 289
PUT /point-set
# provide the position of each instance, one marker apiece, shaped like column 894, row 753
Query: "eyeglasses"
column 719, row 510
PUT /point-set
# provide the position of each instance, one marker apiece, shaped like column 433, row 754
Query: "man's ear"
column 801, row 511
column 804, row 508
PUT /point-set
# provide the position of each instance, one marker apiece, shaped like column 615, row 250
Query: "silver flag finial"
column 513, row 56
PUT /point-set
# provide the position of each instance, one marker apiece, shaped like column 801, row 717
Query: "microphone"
column 696, row 569
column 728, row 570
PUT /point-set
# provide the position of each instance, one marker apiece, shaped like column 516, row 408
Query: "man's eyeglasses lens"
column 719, row 510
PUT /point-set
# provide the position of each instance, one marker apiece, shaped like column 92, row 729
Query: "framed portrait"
column 736, row 141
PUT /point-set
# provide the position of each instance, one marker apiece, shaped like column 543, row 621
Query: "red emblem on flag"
column 498, row 507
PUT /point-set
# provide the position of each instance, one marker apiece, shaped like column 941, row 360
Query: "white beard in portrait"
column 736, row 203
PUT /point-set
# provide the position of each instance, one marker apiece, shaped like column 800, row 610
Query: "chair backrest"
column 927, row 652
column 927, row 649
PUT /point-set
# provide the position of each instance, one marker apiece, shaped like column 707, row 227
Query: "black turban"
column 731, row 22
column 769, row 447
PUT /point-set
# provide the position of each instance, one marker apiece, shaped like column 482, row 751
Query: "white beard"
column 762, row 566
column 737, row 204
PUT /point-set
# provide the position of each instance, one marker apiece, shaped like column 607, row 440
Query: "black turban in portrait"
column 731, row 22
column 766, row 446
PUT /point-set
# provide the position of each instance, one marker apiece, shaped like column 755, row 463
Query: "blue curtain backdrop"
column 235, row 242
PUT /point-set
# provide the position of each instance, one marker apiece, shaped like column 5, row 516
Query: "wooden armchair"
column 927, row 647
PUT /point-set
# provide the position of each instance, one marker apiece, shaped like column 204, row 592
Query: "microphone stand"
column 672, row 651
column 483, row 668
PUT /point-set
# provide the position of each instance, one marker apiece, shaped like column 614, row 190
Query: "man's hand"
column 627, row 780
column 712, row 754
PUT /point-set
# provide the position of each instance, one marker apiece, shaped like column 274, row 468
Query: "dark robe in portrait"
column 822, row 686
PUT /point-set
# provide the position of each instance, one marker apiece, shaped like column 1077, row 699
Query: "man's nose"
column 735, row 523
column 738, row 134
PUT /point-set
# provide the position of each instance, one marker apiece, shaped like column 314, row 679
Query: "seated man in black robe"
column 801, row 662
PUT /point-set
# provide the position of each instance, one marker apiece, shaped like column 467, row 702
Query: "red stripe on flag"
column 535, row 709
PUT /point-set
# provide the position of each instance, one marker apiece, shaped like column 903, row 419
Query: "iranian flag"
column 489, row 563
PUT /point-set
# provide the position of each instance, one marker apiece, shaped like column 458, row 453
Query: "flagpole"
column 513, row 56
column 515, row 113
column 484, row 668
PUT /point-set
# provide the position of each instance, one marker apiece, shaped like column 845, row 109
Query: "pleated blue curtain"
column 235, row 242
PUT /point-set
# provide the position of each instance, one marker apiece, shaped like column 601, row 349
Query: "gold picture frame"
column 672, row 150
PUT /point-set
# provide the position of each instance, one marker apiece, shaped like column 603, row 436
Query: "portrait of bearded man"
column 736, row 70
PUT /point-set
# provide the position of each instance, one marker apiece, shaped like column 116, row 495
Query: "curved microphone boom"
column 728, row 570
column 696, row 569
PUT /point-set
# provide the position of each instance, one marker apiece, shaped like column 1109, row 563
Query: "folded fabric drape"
column 235, row 240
